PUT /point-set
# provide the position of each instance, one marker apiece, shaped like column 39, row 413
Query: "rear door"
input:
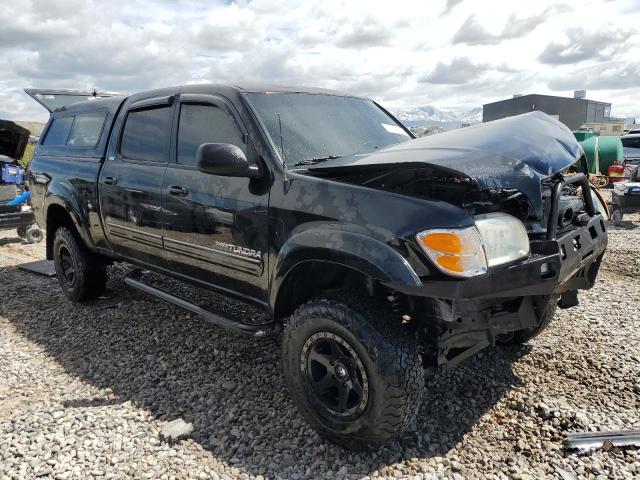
column 130, row 182
column 216, row 227
column 52, row 99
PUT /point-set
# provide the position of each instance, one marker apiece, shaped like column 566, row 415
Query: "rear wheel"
column 22, row 232
column 81, row 274
column 523, row 336
column 354, row 373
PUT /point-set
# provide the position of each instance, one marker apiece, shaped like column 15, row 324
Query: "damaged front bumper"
column 569, row 262
column 464, row 316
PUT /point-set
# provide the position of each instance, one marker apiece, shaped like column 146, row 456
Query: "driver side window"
column 200, row 124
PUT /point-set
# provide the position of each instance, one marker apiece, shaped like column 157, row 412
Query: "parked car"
column 376, row 254
column 631, row 147
column 15, row 213
column 626, row 195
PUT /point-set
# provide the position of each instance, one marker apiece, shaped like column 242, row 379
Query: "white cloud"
column 452, row 54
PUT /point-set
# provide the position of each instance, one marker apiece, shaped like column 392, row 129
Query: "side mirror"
column 224, row 159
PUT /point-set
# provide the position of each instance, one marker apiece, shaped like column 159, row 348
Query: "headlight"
column 457, row 252
column 497, row 238
column 503, row 236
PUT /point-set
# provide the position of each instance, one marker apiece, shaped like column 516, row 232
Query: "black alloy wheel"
column 336, row 374
column 68, row 268
column 352, row 368
column 81, row 273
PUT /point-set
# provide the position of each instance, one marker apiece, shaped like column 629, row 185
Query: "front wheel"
column 353, row 371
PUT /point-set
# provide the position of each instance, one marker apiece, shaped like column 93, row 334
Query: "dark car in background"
column 631, row 148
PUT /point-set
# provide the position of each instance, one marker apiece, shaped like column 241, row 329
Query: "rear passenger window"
column 86, row 129
column 58, row 131
column 204, row 124
column 146, row 134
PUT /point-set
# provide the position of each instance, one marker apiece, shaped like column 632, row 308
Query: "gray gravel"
column 85, row 391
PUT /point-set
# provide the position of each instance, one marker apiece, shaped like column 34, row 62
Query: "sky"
column 453, row 54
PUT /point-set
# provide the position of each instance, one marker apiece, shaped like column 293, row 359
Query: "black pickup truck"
column 377, row 255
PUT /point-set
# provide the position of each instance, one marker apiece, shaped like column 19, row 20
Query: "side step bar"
column 260, row 330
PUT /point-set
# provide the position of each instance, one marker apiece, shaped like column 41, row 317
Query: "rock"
column 229, row 385
column 176, row 429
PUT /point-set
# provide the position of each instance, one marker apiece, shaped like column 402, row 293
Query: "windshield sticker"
column 394, row 129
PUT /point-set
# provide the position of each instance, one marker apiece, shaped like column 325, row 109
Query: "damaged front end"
column 527, row 172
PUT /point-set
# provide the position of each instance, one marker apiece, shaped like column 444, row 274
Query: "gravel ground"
column 85, row 391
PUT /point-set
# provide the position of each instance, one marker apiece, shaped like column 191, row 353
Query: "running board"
column 260, row 330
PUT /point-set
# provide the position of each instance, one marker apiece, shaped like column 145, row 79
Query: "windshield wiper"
column 313, row 161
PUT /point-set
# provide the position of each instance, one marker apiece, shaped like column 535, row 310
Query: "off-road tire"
column 522, row 336
column 33, row 234
column 22, row 232
column 90, row 273
column 388, row 353
column 616, row 216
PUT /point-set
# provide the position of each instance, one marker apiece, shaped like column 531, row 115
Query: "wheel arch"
column 65, row 213
column 315, row 260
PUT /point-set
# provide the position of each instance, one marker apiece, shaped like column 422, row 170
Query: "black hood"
column 511, row 153
column 13, row 139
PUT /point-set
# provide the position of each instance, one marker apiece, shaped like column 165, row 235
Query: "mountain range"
column 428, row 115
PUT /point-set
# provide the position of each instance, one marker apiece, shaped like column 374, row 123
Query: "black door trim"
column 135, row 235
column 215, row 256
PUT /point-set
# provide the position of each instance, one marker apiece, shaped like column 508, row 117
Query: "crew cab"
column 377, row 255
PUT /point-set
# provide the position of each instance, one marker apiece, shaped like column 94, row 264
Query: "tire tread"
column 387, row 343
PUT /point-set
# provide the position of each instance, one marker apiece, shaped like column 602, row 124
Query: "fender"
column 369, row 256
column 64, row 195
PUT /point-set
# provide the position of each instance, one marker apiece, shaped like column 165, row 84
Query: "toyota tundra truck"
column 376, row 255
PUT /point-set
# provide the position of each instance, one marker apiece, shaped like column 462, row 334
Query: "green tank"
column 609, row 150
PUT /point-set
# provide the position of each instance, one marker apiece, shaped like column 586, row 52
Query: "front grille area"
column 568, row 204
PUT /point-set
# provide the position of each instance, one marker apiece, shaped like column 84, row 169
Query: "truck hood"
column 514, row 153
column 13, row 139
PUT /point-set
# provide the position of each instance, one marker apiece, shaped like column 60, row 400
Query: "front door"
column 215, row 227
column 131, row 182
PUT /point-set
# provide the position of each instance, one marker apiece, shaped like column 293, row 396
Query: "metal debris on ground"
column 41, row 267
column 605, row 440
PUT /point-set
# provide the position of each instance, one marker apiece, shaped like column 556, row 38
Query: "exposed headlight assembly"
column 504, row 238
column 496, row 239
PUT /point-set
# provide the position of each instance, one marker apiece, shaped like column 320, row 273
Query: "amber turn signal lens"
column 451, row 263
column 455, row 251
column 442, row 242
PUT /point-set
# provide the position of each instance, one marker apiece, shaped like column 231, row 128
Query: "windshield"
column 631, row 142
column 308, row 128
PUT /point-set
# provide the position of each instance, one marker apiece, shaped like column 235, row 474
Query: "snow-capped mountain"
column 429, row 115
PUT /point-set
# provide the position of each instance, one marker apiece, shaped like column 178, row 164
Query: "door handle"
column 110, row 180
column 178, row 190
